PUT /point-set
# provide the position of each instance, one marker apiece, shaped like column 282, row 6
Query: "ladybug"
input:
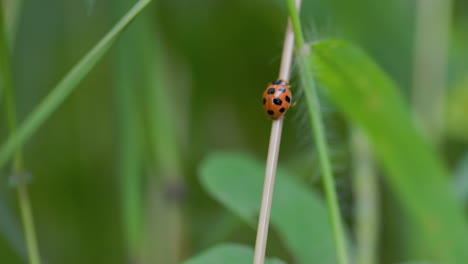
column 277, row 99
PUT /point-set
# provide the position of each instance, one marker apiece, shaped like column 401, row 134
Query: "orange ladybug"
column 277, row 99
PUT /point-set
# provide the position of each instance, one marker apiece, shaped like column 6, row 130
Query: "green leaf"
column 298, row 215
column 64, row 88
column 366, row 96
column 228, row 254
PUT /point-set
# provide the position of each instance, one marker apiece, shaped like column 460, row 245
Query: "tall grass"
column 130, row 146
column 67, row 85
column 414, row 171
column 19, row 135
column 167, row 191
column 318, row 129
column 148, row 98
column 18, row 170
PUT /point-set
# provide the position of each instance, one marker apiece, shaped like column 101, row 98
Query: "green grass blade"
column 130, row 165
column 167, row 215
column 18, row 169
column 228, row 254
column 298, row 215
column 63, row 89
column 365, row 95
column 319, row 135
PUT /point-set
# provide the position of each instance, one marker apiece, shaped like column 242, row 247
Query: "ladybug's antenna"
column 273, row 151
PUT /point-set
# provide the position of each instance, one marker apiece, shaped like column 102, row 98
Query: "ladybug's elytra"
column 277, row 99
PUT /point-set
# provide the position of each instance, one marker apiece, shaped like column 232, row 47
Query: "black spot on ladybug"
column 279, row 82
column 288, row 99
column 264, row 100
column 282, row 110
column 270, row 112
column 282, row 89
column 271, row 91
column 277, row 101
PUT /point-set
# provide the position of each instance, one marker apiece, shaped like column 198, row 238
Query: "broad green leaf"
column 367, row 97
column 64, row 88
column 298, row 215
column 228, row 254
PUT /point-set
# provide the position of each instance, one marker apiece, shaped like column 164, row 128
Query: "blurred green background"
column 212, row 60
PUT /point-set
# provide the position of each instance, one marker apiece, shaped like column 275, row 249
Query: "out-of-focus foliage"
column 460, row 183
column 218, row 57
column 66, row 85
column 369, row 98
column 236, row 181
column 227, row 254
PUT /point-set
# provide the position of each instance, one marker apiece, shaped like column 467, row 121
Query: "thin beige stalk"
column 12, row 9
column 366, row 191
column 431, row 45
column 273, row 151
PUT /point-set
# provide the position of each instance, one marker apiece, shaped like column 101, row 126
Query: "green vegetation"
column 413, row 169
column 236, row 181
column 227, row 253
column 154, row 153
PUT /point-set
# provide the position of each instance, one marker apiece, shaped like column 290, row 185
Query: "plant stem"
column 26, row 215
column 367, row 200
column 130, row 165
column 169, row 186
column 273, row 152
column 268, row 187
column 319, row 136
column 431, row 47
column 433, row 18
column 162, row 239
column 12, row 10
column 18, row 172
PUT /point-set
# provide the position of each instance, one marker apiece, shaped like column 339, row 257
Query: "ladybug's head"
column 281, row 81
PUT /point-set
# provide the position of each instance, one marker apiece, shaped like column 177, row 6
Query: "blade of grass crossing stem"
column 319, row 136
column 23, row 196
column 18, row 171
column 63, row 89
column 8, row 19
column 130, row 154
column 366, row 96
